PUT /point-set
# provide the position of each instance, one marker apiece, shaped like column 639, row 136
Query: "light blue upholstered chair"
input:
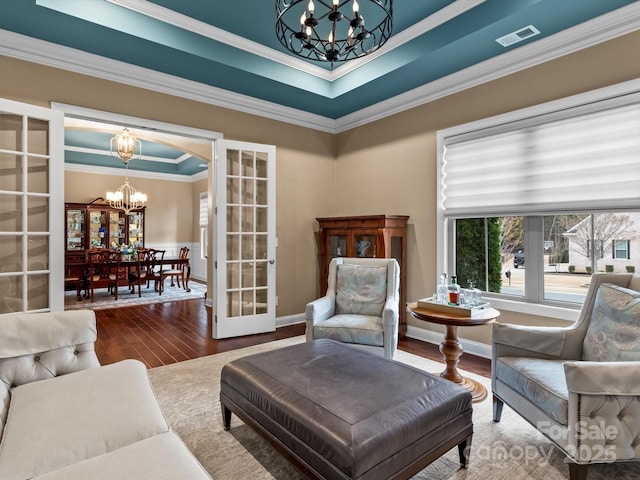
column 579, row 386
column 360, row 306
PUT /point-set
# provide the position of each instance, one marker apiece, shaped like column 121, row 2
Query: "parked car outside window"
column 518, row 259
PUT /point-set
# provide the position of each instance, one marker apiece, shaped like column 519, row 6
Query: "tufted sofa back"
column 39, row 346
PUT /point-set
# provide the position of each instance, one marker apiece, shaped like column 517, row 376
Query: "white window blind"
column 204, row 218
column 582, row 158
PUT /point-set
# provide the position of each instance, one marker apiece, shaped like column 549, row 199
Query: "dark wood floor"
column 164, row 333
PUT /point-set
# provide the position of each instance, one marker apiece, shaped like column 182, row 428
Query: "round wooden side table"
column 450, row 347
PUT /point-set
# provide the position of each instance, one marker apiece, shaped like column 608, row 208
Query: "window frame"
column 534, row 273
column 204, row 225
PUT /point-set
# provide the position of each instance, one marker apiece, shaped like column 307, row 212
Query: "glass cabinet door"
column 337, row 245
column 364, row 244
column 136, row 229
column 98, row 228
column 75, row 229
column 117, row 234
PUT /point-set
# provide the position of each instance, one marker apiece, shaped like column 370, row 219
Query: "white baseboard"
column 469, row 346
column 290, row 320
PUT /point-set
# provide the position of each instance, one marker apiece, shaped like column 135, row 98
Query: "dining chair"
column 149, row 268
column 105, row 272
column 155, row 271
column 139, row 275
column 177, row 271
column 74, row 279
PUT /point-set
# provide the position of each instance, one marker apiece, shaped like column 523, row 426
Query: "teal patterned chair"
column 361, row 305
column 580, row 385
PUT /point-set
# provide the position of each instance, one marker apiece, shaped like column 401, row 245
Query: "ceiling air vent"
column 518, row 35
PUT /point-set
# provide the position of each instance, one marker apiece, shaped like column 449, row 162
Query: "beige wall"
column 388, row 166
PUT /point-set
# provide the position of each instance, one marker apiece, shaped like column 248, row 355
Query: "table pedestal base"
column 452, row 351
column 478, row 391
column 450, row 347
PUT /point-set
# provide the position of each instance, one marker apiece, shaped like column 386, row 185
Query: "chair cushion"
column 361, row 289
column 541, row 381
column 614, row 329
column 360, row 329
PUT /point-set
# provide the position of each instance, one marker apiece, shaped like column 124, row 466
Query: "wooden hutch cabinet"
column 372, row 236
column 97, row 225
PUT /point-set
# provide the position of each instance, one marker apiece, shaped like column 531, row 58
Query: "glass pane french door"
column 31, row 162
column 245, row 239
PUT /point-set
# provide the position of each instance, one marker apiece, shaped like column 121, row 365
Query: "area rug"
column 188, row 393
column 103, row 299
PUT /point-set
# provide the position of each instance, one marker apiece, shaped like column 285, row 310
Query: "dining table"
column 128, row 261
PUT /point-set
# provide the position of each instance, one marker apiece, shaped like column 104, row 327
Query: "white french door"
column 31, row 208
column 245, row 222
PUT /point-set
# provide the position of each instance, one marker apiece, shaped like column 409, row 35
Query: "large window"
column 493, row 253
column 533, row 202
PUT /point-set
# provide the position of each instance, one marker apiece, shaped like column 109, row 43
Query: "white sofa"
column 63, row 416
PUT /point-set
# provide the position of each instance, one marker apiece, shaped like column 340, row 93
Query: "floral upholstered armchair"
column 360, row 306
column 579, row 386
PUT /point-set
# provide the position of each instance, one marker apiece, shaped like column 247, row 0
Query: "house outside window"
column 603, row 231
column 532, row 202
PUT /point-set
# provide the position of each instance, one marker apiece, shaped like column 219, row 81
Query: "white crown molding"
column 614, row 24
column 170, row 17
column 38, row 51
column 107, row 153
column 603, row 28
column 172, row 177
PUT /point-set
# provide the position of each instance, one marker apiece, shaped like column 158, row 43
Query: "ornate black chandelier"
column 333, row 30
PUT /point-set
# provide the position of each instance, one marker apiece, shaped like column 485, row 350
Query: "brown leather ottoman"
column 341, row 413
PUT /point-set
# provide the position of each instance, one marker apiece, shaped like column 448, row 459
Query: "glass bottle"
column 454, row 291
column 442, row 289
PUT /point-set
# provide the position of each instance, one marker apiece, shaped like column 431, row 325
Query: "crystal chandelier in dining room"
column 333, row 30
column 126, row 197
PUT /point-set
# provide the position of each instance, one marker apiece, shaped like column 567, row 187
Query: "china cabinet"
column 97, row 225
column 373, row 236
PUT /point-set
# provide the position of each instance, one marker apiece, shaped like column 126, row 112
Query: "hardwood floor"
column 164, row 333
